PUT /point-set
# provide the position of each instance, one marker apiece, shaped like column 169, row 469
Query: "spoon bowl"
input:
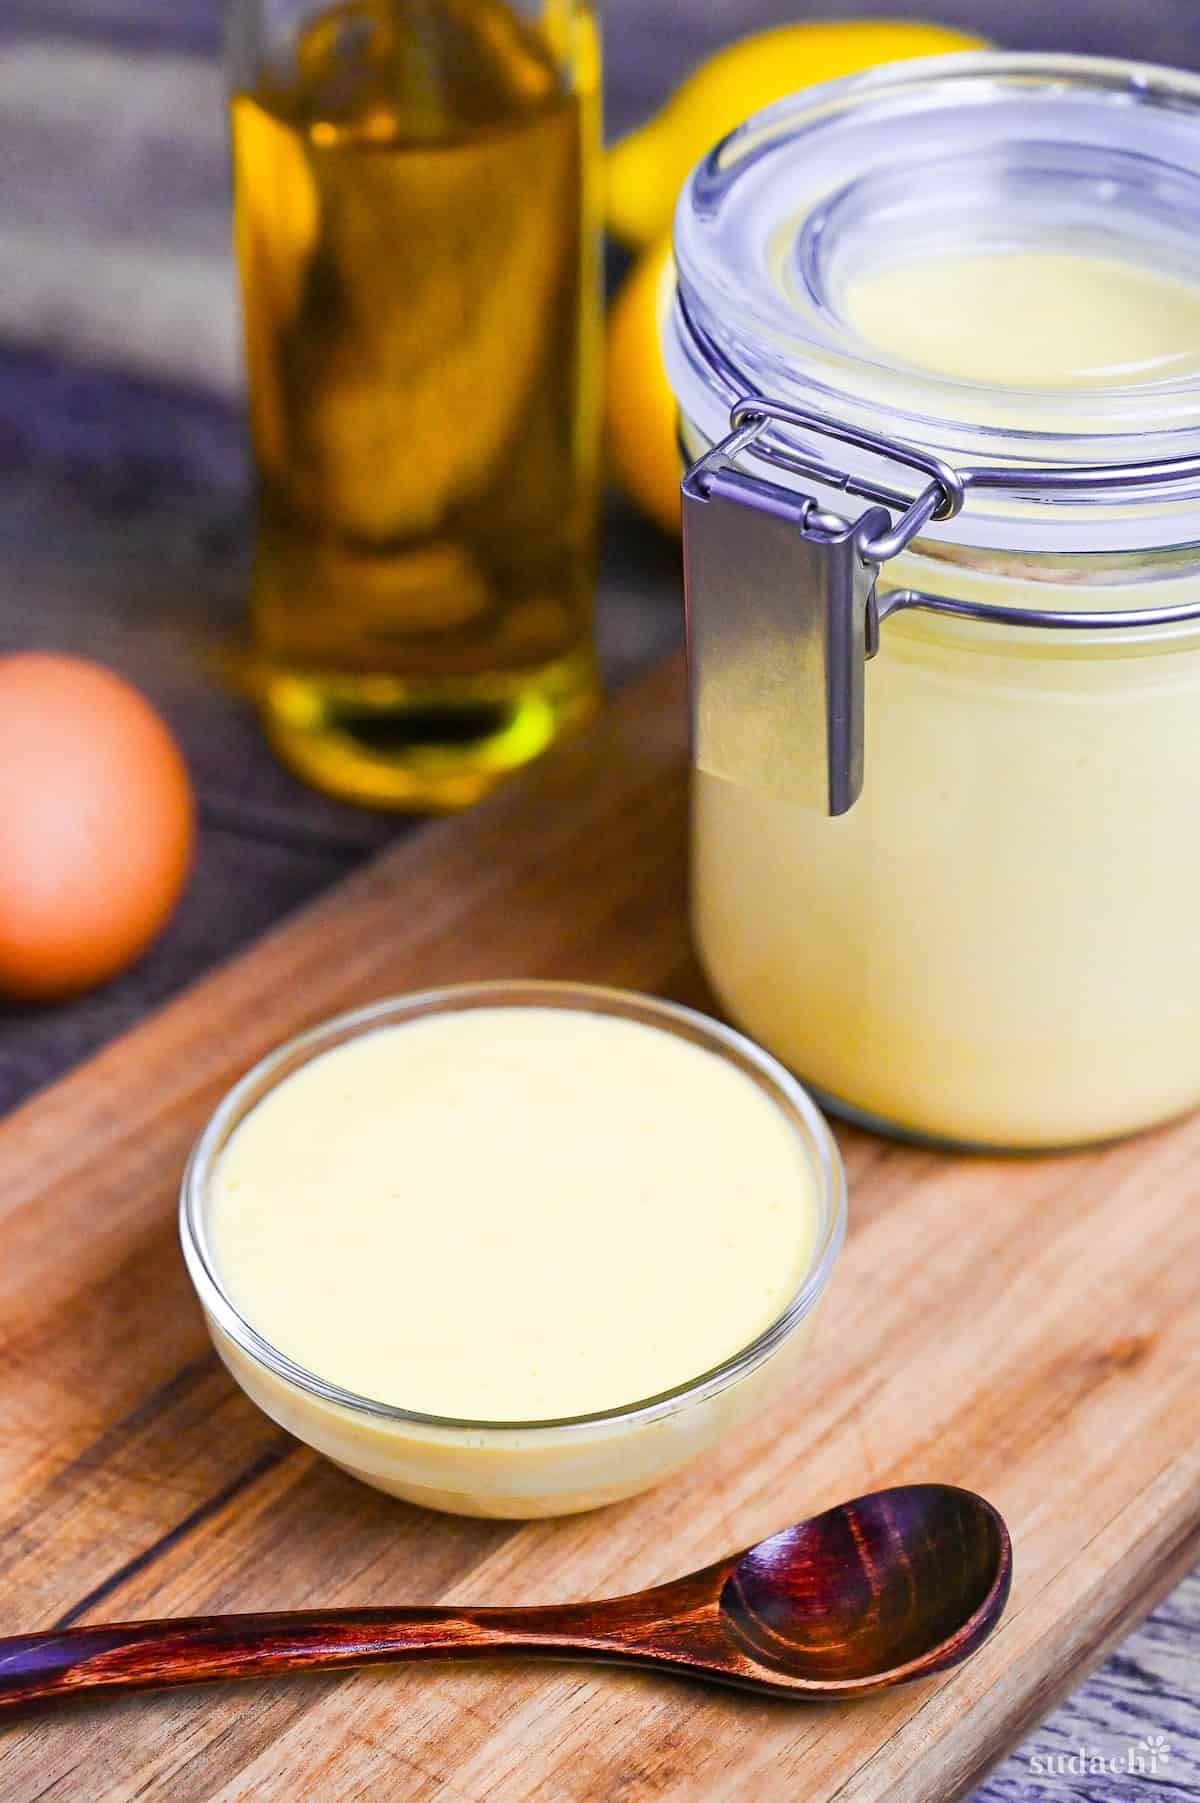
column 890, row 1587
column 900, row 1583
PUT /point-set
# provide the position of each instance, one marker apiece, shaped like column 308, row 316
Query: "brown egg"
column 96, row 825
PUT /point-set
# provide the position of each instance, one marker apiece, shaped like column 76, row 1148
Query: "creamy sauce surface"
column 1039, row 319
column 513, row 1214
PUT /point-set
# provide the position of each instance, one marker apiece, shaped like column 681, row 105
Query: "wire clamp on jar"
column 783, row 610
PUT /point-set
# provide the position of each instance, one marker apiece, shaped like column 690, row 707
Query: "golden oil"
column 415, row 218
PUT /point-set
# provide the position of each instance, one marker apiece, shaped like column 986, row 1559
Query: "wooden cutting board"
column 1030, row 1328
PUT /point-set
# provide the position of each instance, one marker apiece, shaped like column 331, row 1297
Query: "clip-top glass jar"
column 947, row 733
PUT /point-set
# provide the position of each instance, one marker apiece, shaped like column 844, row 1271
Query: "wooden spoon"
column 889, row 1587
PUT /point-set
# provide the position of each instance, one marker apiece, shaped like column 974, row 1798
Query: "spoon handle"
column 144, row 1655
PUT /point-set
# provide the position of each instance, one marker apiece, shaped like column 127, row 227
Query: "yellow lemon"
column 646, row 170
column 638, row 403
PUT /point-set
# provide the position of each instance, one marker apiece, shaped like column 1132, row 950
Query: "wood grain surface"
column 1027, row 1328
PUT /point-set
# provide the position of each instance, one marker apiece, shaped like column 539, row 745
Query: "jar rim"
column 734, row 331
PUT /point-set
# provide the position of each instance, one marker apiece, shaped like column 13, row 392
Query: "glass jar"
column 947, row 748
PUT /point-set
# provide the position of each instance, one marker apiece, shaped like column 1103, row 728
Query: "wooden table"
column 122, row 514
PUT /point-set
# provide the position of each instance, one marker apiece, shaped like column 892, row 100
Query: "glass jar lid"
column 867, row 187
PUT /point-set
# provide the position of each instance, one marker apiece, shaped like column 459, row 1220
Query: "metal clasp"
column 781, row 610
column 782, row 604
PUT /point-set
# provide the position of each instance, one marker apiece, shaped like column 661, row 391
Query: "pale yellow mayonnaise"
column 998, row 943
column 512, row 1214
column 1039, row 319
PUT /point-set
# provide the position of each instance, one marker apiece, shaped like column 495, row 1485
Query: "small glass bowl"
column 513, row 1469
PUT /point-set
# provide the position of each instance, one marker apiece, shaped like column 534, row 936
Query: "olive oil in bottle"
column 415, row 225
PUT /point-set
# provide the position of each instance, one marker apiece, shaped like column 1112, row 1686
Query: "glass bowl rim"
column 691, row 1023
